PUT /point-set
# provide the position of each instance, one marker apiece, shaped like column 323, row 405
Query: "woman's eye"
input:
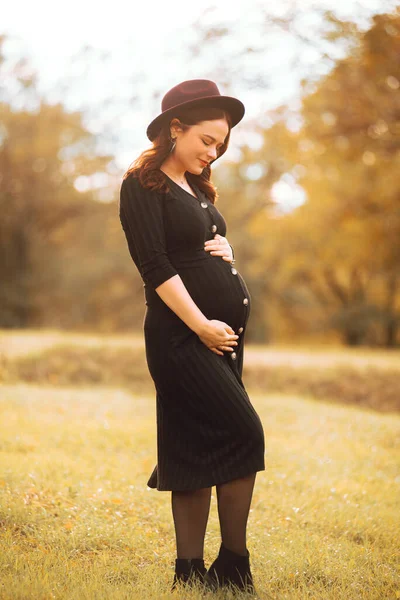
column 205, row 143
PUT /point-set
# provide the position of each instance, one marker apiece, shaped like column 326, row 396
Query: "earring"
column 173, row 140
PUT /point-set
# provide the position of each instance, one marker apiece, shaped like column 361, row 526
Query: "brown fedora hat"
column 194, row 92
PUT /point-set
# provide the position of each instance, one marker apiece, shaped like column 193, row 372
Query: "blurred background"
column 309, row 186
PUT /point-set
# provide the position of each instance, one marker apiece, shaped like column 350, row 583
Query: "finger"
column 215, row 248
column 229, row 329
column 219, row 252
column 216, row 351
column 229, row 341
column 221, row 238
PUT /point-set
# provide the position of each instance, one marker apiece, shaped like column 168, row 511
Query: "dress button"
column 204, row 204
column 233, row 271
column 240, row 329
column 214, row 228
column 245, row 301
column 233, row 355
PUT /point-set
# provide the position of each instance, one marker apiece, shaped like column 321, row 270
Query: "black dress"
column 208, row 432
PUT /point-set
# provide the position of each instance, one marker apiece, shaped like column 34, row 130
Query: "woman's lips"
column 203, row 163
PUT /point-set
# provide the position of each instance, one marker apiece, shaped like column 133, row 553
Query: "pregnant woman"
column 197, row 309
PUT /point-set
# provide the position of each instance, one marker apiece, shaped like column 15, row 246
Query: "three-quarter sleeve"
column 141, row 215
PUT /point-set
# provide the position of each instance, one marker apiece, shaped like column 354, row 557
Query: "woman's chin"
column 196, row 170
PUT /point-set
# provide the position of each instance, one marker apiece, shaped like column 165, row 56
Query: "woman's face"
column 200, row 144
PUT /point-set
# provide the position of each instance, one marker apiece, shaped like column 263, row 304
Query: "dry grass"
column 367, row 384
column 29, row 341
column 77, row 520
column 19, row 342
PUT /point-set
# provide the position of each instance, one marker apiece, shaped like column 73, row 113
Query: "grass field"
column 78, row 443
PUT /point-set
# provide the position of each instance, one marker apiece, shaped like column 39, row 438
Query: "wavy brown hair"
column 146, row 167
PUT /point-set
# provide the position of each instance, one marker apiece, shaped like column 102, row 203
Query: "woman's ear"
column 174, row 127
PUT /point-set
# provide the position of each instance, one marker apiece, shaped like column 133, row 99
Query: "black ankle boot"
column 232, row 570
column 188, row 571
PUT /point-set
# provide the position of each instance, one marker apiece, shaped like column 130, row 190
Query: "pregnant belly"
column 218, row 289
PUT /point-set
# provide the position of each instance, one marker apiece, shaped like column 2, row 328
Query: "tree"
column 42, row 152
column 349, row 152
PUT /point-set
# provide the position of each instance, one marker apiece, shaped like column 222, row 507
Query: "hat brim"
column 234, row 106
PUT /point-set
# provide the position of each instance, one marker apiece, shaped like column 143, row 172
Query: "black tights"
column 190, row 511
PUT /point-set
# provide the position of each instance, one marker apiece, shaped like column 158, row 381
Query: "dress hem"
column 243, row 473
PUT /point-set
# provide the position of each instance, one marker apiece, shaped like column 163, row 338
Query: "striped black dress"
column 208, row 431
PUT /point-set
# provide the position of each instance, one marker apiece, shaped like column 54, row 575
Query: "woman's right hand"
column 217, row 336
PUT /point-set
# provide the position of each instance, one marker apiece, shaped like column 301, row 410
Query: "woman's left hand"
column 219, row 246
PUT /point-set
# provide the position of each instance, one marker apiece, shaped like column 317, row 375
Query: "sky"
column 139, row 50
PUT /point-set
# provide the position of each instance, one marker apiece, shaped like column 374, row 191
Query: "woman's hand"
column 219, row 246
column 217, row 336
